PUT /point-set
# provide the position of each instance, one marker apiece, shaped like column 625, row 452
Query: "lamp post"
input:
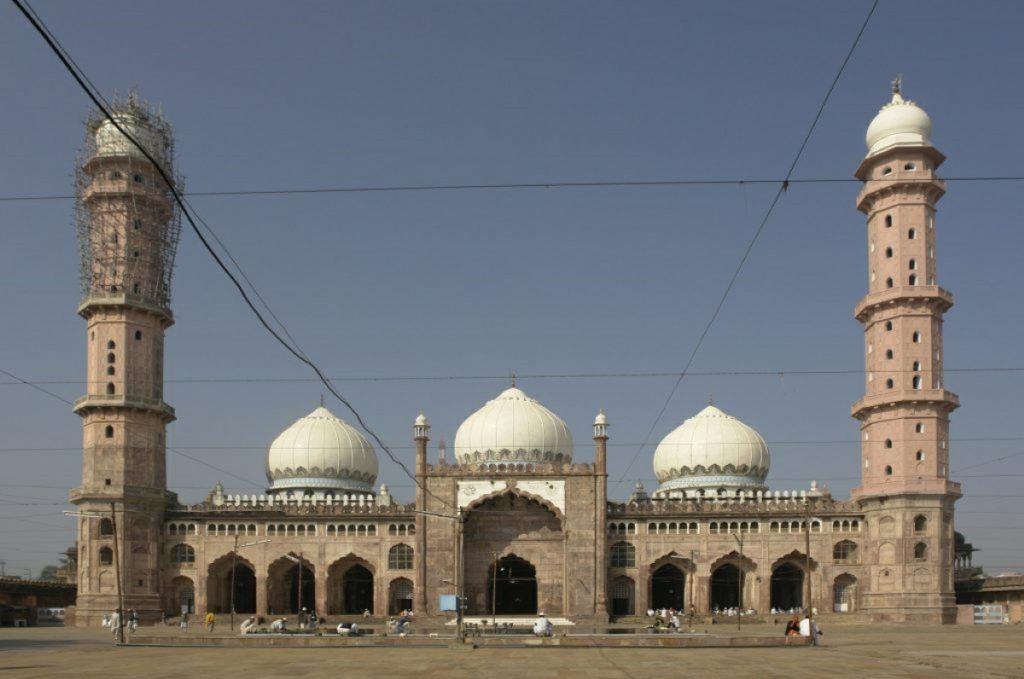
column 119, row 632
column 234, row 565
column 807, row 568
column 297, row 560
column 739, row 611
column 494, row 593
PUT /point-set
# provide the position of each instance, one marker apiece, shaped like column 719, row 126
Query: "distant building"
column 539, row 532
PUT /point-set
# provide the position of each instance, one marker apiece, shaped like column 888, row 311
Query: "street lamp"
column 119, row 632
column 234, row 565
column 297, row 560
column 693, row 575
column 739, row 580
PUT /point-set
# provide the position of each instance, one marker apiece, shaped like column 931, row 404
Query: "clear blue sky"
column 267, row 95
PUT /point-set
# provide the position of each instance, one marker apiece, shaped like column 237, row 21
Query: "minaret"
column 128, row 226
column 420, row 433
column 601, row 511
column 904, row 414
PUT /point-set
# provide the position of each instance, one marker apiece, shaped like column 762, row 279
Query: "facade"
column 515, row 519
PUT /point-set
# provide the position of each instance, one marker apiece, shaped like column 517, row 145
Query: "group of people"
column 803, row 627
column 115, row 622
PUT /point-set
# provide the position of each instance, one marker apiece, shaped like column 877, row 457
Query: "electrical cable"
column 753, row 241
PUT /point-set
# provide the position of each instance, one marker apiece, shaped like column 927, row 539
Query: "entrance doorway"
column 667, row 587
column 512, row 586
column 357, row 586
column 245, row 589
column 400, row 596
column 622, row 596
column 726, row 581
column 843, row 593
column 787, row 587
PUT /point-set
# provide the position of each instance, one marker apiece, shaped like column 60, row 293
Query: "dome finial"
column 897, row 84
column 512, row 376
column 321, row 399
column 711, row 399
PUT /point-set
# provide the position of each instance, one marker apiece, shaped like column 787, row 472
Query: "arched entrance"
column 726, row 581
column 350, row 586
column 844, row 592
column 399, row 596
column 180, row 596
column 513, row 586
column 219, row 583
column 357, row 590
column 622, row 596
column 291, row 586
column 668, row 585
column 787, row 587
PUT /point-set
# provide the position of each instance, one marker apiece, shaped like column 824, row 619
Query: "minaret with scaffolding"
column 128, row 225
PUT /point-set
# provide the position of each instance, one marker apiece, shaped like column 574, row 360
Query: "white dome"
column 110, row 141
column 712, row 450
column 899, row 123
column 321, row 452
column 513, row 428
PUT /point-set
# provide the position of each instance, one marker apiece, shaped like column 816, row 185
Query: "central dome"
column 712, row 450
column 321, row 452
column 513, row 428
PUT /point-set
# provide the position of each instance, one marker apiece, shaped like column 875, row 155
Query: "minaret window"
column 114, row 174
column 106, row 556
column 887, row 171
column 111, row 358
column 912, row 234
column 888, row 326
column 888, row 252
column 920, row 455
column 110, row 388
column 111, row 345
column 106, row 527
column 909, row 167
column 916, row 337
column 912, row 265
column 917, row 365
column 920, row 551
column 888, row 282
column 889, row 383
column 919, row 427
column 136, row 288
column 137, row 224
column 138, row 334
column 137, row 178
column 917, row 381
column 888, row 443
column 110, row 370
column 913, row 279
column 108, row 432
column 888, row 354
column 888, row 470
column 888, row 220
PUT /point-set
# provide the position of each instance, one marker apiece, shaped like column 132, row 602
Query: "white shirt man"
column 348, row 629
column 249, row 626
column 278, row 625
column 542, row 627
column 809, row 628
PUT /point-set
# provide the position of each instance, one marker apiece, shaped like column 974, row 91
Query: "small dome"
column 421, row 420
column 111, row 142
column 601, row 418
column 513, row 428
column 321, row 452
column 898, row 123
column 712, row 450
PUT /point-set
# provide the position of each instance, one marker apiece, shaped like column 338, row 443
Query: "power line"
column 412, row 188
column 783, row 372
column 92, row 92
column 753, row 241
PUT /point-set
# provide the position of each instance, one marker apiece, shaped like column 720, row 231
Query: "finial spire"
column 321, row 400
column 711, row 399
column 897, row 84
column 512, row 375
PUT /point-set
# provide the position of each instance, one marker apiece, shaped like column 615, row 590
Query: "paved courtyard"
column 854, row 651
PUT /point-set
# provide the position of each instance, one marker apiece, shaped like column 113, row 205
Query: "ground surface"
column 848, row 651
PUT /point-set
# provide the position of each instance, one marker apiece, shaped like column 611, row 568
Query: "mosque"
column 517, row 520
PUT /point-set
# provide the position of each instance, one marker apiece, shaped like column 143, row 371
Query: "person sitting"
column 793, row 627
column 248, row 626
column 279, row 626
column 348, row 629
column 542, row 627
column 673, row 621
column 402, row 625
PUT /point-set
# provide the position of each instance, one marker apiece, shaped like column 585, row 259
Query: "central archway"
column 219, row 583
column 787, row 587
column 726, row 581
column 513, row 586
column 668, row 585
column 357, row 588
column 290, row 586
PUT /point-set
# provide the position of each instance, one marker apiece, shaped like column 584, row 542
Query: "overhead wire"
column 753, row 241
column 79, row 76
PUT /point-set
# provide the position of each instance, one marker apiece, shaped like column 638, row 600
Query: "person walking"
column 211, row 621
column 115, row 625
column 183, row 625
column 133, row 620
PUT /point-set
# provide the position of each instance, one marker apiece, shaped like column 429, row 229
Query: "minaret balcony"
column 895, row 398
column 926, row 294
column 152, row 405
column 123, row 299
column 121, row 188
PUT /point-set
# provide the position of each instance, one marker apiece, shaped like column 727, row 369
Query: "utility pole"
column 494, row 593
column 234, row 565
column 807, row 567
column 740, row 578
column 693, row 576
column 117, row 575
column 461, row 575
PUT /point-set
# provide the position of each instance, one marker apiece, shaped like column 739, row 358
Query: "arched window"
column 108, row 432
column 888, row 326
column 919, row 427
column 623, row 555
column 913, row 264
column 910, row 167
column 888, row 470
column 111, row 358
column 917, row 382
column 888, row 443
column 912, row 234
column 885, row 173
column 920, row 524
column 916, row 337
column 888, row 220
column 138, row 334
column 137, row 178
column 400, row 557
column 888, row 282
column 110, row 388
column 913, row 279
column 888, row 252
column 106, row 527
column 182, row 554
column 920, row 455
column 920, row 551
column 111, row 345
column 889, row 383
column 110, row 370
column 106, row 556
column 843, row 551
column 888, row 354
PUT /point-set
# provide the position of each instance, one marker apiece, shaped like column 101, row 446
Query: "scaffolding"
column 126, row 216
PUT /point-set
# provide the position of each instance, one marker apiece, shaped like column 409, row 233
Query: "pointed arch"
column 286, row 579
column 514, row 491
column 219, row 584
column 350, row 585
